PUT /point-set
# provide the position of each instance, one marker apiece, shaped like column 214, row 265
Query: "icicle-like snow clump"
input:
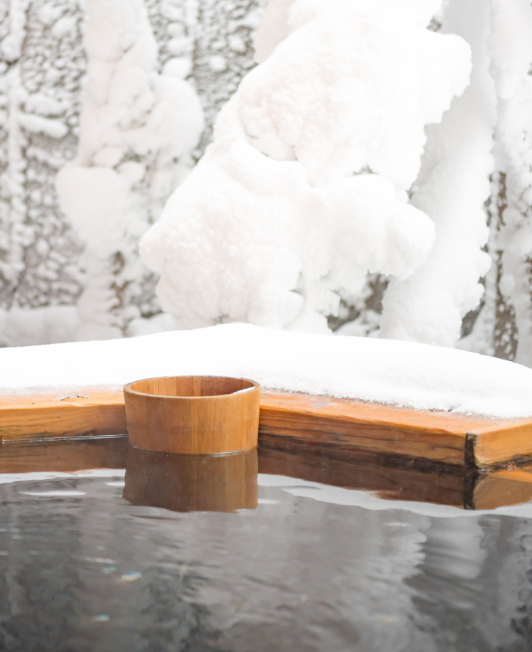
column 137, row 128
column 303, row 190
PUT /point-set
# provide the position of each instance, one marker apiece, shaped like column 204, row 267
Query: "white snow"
column 510, row 44
column 137, row 130
column 304, row 188
column 39, row 125
column 352, row 86
column 387, row 371
column 452, row 189
column 28, row 326
column 511, row 56
column 272, row 29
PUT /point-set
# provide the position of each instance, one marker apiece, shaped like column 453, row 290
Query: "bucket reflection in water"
column 188, row 483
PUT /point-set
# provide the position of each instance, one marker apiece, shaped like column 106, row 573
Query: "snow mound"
column 352, row 86
column 387, row 371
column 303, row 190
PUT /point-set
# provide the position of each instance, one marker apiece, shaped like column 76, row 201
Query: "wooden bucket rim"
column 254, row 387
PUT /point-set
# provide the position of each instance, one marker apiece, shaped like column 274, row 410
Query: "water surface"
column 301, row 567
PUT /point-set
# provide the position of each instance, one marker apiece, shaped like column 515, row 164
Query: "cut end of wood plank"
column 496, row 444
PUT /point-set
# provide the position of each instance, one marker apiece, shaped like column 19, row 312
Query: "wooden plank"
column 396, row 478
column 65, row 456
column 387, row 477
column 318, row 421
column 471, row 441
column 366, row 426
column 90, row 412
column 160, row 480
column 499, row 442
column 510, row 486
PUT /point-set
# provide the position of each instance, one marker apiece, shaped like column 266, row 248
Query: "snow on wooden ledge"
column 388, row 397
column 391, row 372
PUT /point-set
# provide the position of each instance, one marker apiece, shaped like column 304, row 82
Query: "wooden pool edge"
column 304, row 419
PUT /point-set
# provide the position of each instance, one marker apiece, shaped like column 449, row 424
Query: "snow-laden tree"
column 268, row 266
column 43, row 67
column 452, row 189
column 304, row 189
column 137, row 129
column 511, row 64
column 486, row 135
column 41, row 62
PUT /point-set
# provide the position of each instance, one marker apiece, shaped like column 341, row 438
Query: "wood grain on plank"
column 211, row 482
column 369, row 472
column 97, row 412
column 377, row 428
column 471, row 441
column 317, row 421
column 396, row 479
column 511, row 486
column 500, row 441
column 65, row 456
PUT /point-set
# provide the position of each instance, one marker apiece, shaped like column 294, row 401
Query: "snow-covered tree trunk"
column 40, row 261
column 137, row 131
column 511, row 55
column 41, row 62
column 452, row 189
column 12, row 96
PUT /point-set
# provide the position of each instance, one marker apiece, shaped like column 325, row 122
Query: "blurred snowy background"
column 372, row 176
column 44, row 79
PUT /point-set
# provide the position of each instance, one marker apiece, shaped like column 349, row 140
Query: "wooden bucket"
column 186, row 483
column 197, row 415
